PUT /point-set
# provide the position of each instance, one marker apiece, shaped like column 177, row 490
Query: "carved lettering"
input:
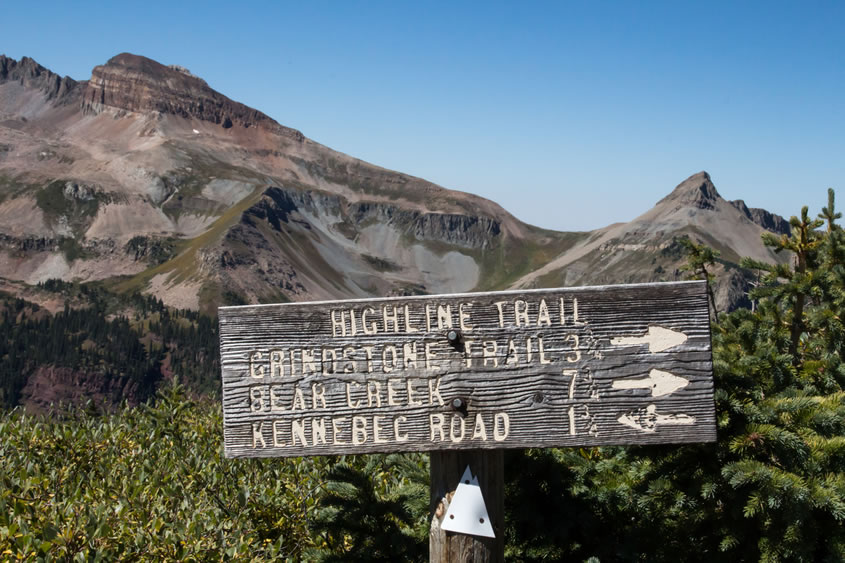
column 276, row 398
column 480, row 430
column 397, row 433
column 371, row 329
column 501, row 426
column 349, row 355
column 258, row 435
column 336, row 431
column 490, row 357
column 369, row 351
column 298, row 400
column 359, row 430
column 454, row 436
column 520, row 313
column 444, row 317
column 277, row 358
column 253, row 358
column 318, row 431
column 408, row 327
column 256, row 396
column 541, row 352
column 463, row 317
column 429, row 357
column 390, row 318
column 373, row 393
column 576, row 355
column 411, row 401
column 409, row 355
column 434, row 391
column 391, row 392
column 329, row 361
column 349, row 402
column 377, row 420
column 435, row 424
column 338, row 323
column 277, row 434
column 297, row 430
column 543, row 317
column 309, row 361
column 499, row 305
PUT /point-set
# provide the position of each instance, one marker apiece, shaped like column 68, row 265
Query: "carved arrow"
column 657, row 338
column 647, row 419
column 660, row 382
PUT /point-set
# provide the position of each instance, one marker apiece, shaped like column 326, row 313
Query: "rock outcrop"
column 61, row 89
column 767, row 220
column 697, row 191
column 138, row 84
column 146, row 171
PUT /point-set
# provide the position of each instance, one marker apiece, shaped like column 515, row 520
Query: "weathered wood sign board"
column 624, row 364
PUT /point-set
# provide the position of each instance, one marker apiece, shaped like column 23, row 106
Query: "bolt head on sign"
column 588, row 366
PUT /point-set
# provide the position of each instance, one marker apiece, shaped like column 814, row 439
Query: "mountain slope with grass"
column 146, row 179
column 145, row 176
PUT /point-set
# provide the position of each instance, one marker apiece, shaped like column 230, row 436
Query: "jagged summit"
column 696, row 191
column 28, row 73
column 146, row 172
column 766, row 219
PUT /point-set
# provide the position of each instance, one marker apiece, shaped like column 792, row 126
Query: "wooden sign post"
column 589, row 366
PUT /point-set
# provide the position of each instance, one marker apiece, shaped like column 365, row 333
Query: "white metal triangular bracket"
column 467, row 513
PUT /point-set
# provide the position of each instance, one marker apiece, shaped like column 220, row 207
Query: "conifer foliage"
column 151, row 483
column 773, row 487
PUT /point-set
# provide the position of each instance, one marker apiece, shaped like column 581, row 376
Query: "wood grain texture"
column 446, row 470
column 541, row 368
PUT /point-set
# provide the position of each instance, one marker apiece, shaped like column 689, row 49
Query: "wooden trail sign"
column 587, row 366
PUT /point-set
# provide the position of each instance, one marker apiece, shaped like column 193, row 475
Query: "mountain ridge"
column 138, row 84
column 147, row 179
column 29, row 73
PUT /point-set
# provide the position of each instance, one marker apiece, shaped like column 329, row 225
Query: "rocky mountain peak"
column 149, row 69
column 30, row 74
column 134, row 83
column 696, row 191
column 766, row 219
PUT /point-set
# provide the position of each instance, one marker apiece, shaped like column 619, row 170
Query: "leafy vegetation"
column 71, row 248
column 71, row 204
column 773, row 487
column 185, row 265
column 151, row 483
column 12, row 186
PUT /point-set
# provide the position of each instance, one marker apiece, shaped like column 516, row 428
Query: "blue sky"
column 572, row 115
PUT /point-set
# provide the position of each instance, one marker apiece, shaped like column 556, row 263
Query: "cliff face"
column 146, row 172
column 766, row 219
column 27, row 72
column 307, row 244
column 138, row 84
column 697, row 192
column 648, row 248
